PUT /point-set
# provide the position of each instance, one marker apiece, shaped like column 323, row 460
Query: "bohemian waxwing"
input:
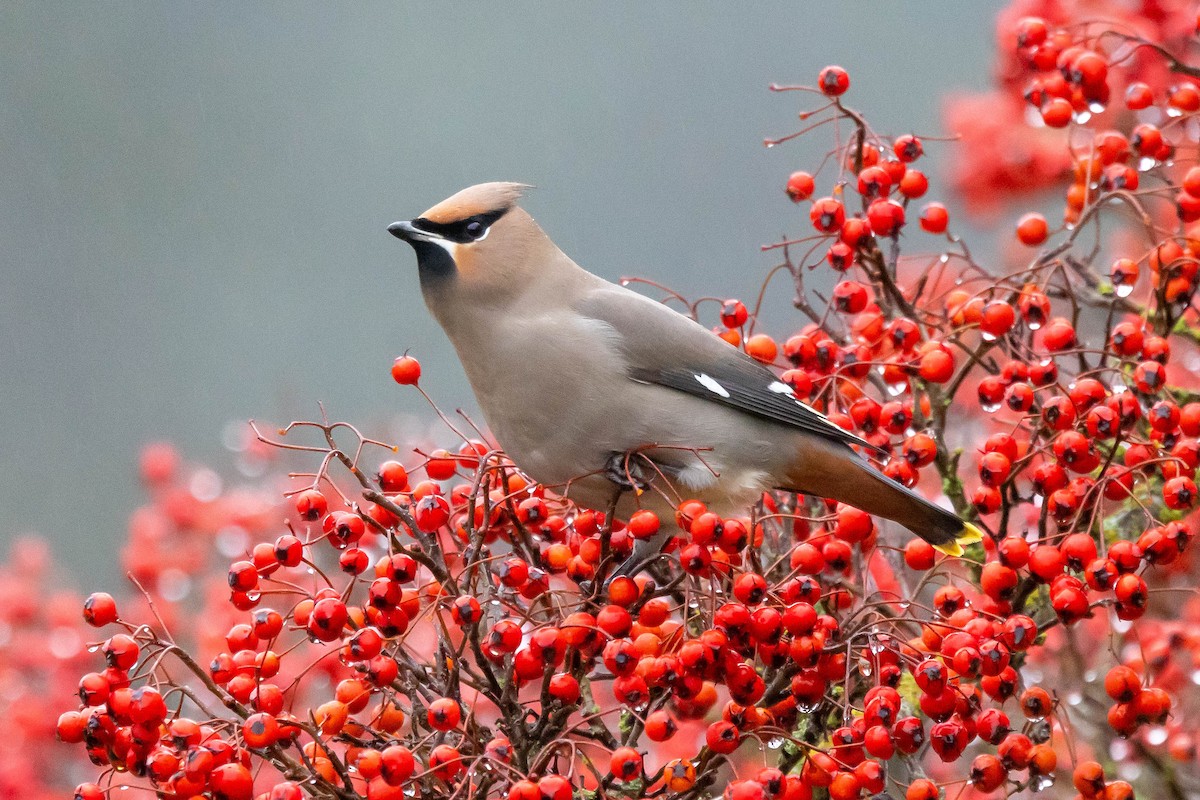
column 575, row 375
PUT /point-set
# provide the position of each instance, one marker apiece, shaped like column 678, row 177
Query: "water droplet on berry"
column 806, row 708
column 988, row 408
column 1083, row 116
column 775, row 743
column 1123, row 289
column 1096, row 107
column 1120, row 625
column 1033, row 324
column 1042, row 782
column 989, row 337
column 1174, row 112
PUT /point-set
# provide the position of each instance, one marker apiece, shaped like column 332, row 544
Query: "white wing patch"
column 819, row 414
column 709, row 383
column 779, row 387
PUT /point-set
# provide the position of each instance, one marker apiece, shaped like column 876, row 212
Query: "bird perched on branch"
column 595, row 389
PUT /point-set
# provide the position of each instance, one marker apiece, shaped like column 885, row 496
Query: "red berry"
column 1057, row 112
column 431, row 512
column 937, row 365
column 99, row 609
column 311, row 505
column 1030, row 32
column 406, row 371
column 914, row 184
column 1138, row 96
column 626, row 764
column 907, row 148
column 827, row 215
column 886, row 217
column 934, row 218
column 919, row 555
column 850, row 297
column 1032, row 229
column 833, row 81
column 800, row 186
column 444, row 714
column 393, row 477
column 734, row 314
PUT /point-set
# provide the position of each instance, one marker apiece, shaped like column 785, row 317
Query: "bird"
column 620, row 401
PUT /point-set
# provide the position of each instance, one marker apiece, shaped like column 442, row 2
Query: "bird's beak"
column 411, row 233
column 402, row 230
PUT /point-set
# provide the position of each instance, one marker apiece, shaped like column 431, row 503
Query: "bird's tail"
column 940, row 527
column 861, row 486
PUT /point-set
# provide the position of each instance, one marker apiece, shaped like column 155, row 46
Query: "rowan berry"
column 406, row 371
column 833, row 81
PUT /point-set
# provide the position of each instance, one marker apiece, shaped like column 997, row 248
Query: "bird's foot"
column 629, row 471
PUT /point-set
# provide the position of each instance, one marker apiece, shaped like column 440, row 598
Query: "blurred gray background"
column 193, row 196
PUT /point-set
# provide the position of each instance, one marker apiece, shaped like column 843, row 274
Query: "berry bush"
column 436, row 625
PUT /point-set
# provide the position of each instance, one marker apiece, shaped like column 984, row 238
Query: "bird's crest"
column 483, row 198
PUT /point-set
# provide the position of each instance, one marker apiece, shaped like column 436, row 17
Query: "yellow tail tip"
column 970, row 535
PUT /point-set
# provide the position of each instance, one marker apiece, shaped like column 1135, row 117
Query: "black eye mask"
column 471, row 229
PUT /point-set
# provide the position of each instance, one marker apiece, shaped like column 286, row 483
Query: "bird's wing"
column 666, row 348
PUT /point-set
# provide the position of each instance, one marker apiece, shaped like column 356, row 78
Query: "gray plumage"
column 571, row 370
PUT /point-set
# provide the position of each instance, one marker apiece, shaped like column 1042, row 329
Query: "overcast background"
column 193, row 195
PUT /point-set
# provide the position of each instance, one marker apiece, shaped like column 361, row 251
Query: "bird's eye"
column 475, row 229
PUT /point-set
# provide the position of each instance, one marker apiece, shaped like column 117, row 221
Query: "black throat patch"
column 434, row 264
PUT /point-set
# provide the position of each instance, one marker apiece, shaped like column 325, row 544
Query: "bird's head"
column 477, row 242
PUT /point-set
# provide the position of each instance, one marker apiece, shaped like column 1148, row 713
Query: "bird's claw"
column 626, row 471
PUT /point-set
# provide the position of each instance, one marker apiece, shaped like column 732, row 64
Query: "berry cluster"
column 442, row 626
